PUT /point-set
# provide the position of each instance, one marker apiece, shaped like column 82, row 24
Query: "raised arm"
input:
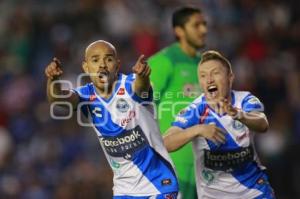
column 141, row 84
column 254, row 120
column 54, row 91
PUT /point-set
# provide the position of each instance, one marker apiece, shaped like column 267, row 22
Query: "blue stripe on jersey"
column 253, row 177
column 189, row 116
column 128, row 86
column 156, row 169
column 229, row 144
column 84, row 93
column 102, row 121
column 252, row 103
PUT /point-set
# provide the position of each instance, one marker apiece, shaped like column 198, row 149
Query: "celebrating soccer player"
column 221, row 124
column 118, row 108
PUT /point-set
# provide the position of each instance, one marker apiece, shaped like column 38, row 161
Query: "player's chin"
column 201, row 44
column 101, row 84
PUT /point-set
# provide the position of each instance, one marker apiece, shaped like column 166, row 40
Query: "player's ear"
column 84, row 67
column 179, row 32
column 118, row 64
column 231, row 78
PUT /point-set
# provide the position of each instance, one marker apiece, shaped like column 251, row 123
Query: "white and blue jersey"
column 131, row 141
column 230, row 170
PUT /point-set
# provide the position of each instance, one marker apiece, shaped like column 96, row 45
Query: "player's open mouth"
column 103, row 76
column 212, row 91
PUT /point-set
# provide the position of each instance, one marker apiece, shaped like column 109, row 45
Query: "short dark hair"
column 215, row 55
column 181, row 15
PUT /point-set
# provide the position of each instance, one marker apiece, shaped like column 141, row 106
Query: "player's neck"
column 214, row 101
column 106, row 92
column 188, row 49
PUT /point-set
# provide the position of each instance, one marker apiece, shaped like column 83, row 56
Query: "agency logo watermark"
column 181, row 111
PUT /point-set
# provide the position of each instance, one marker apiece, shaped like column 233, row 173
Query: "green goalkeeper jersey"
column 175, row 84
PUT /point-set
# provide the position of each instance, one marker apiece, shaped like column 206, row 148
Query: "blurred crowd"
column 42, row 158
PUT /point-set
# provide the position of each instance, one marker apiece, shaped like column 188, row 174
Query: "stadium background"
column 41, row 158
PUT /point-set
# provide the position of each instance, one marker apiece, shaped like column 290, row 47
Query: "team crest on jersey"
column 122, row 105
column 237, row 125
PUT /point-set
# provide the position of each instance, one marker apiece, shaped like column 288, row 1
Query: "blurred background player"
column 175, row 83
column 126, row 129
column 222, row 123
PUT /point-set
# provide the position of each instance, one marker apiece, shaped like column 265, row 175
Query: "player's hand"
column 54, row 70
column 141, row 67
column 224, row 106
column 211, row 132
column 229, row 109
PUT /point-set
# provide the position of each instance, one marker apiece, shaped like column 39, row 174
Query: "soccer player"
column 118, row 107
column 175, row 83
column 221, row 125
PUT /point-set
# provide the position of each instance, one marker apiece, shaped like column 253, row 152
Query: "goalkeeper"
column 175, row 83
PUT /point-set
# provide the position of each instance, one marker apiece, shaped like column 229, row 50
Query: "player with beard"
column 221, row 124
column 119, row 109
column 175, row 84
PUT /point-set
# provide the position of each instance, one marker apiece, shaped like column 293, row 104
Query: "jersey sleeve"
column 147, row 97
column 161, row 72
column 84, row 93
column 251, row 103
column 187, row 117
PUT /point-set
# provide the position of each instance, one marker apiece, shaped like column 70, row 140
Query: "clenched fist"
column 54, row 70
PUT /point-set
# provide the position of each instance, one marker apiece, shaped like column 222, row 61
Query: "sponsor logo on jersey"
column 125, row 144
column 261, row 181
column 166, row 182
column 208, row 176
column 126, row 120
column 170, row 196
column 97, row 112
column 114, row 164
column 122, row 105
column 228, row 160
column 92, row 97
column 121, row 91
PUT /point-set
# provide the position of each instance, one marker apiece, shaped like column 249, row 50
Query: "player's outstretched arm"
column 141, row 84
column 176, row 137
column 256, row 121
column 54, row 91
